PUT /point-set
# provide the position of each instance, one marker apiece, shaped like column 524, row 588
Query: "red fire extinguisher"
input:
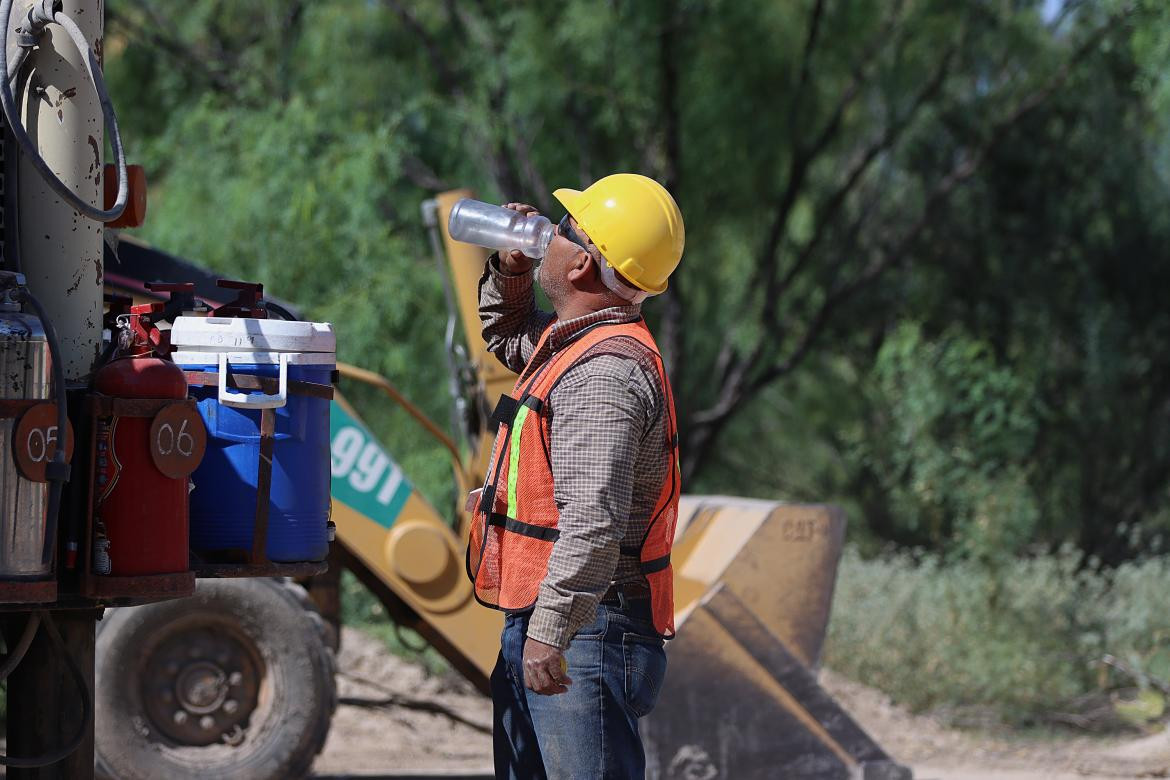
column 147, row 446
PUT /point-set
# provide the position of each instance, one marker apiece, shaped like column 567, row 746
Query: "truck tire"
column 236, row 681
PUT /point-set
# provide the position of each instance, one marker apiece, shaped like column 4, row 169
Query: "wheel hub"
column 201, row 686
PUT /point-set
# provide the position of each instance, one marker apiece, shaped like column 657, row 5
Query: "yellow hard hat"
column 635, row 223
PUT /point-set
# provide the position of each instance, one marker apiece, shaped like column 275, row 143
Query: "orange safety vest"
column 514, row 524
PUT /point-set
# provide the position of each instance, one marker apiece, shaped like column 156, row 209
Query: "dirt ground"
column 395, row 720
column 938, row 753
column 385, row 727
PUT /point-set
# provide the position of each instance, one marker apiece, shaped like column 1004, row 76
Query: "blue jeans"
column 617, row 665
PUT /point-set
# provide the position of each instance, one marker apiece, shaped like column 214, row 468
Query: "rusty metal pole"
column 61, row 253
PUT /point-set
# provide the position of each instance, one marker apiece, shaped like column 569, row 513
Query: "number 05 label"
column 34, row 441
column 177, row 440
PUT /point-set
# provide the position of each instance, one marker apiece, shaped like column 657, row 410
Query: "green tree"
column 947, row 445
column 844, row 167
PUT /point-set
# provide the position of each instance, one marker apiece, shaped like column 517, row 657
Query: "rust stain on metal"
column 60, row 116
column 97, row 155
column 97, row 50
column 97, row 266
column 71, row 92
column 76, row 284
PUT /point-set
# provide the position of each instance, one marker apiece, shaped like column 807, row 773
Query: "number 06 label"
column 177, row 440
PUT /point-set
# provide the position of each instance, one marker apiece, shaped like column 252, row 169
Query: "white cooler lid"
column 243, row 334
column 211, row 357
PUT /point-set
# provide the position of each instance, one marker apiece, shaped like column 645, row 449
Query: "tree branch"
column 961, row 172
column 737, row 388
column 394, row 699
column 522, row 154
column 507, row 181
column 1066, row 9
column 579, row 121
column 733, row 386
column 293, row 19
column 668, row 96
column 421, row 174
column 828, row 211
column 449, row 82
column 673, row 307
column 191, row 59
column 810, row 42
column 803, row 156
column 496, row 151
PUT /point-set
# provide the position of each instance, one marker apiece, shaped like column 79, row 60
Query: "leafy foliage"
column 948, row 442
column 1019, row 644
column 926, row 239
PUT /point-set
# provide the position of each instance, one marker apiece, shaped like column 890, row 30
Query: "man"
column 572, row 531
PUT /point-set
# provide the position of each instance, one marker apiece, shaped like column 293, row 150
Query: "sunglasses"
column 566, row 230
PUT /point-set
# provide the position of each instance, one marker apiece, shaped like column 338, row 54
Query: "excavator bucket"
column 754, row 583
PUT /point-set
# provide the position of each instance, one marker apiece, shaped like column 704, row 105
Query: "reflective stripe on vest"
column 514, row 457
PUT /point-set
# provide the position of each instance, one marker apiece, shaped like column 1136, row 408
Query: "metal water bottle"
column 495, row 227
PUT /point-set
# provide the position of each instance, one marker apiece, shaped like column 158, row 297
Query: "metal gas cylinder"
column 25, row 370
column 141, row 512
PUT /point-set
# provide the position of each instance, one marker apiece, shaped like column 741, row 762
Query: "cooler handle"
column 246, row 400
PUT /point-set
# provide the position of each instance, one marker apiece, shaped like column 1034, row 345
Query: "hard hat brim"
column 569, row 199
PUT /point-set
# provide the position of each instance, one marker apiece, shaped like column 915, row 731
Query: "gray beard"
column 553, row 288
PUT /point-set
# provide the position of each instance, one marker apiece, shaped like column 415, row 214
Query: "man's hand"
column 545, row 669
column 516, row 262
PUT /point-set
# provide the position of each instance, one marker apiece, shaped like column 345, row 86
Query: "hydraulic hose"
column 456, row 357
column 58, row 470
column 86, row 703
column 39, row 16
column 16, row 654
column 17, row 62
column 279, row 310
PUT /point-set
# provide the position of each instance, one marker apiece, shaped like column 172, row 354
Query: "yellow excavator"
column 237, row 681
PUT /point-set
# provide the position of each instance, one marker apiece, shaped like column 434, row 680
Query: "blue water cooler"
column 290, row 359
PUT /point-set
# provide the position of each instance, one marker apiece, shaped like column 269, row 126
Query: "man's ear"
column 580, row 266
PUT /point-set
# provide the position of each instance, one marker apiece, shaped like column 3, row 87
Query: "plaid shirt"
column 608, row 433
